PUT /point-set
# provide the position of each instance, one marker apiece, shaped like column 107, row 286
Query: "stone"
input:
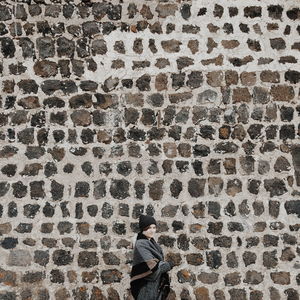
column 19, row 258
column 277, row 43
column 90, row 28
column 119, row 189
column 293, row 13
column 282, row 278
column 282, row 93
column 282, row 164
column 292, row 207
column 62, row 257
column 214, row 259
column 143, row 83
column 270, row 259
column 226, row 147
column 237, row 294
column 201, row 293
column 275, row 186
column 186, row 276
column 165, row 10
column 33, row 277
column 232, row 279
column 8, row 48
column 56, row 276
column 275, row 11
column 231, row 260
column 171, row 46
column 252, row 11
column 241, row 95
column 253, row 277
column 196, row 187
column 111, row 276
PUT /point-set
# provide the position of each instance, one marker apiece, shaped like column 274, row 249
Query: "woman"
column 149, row 278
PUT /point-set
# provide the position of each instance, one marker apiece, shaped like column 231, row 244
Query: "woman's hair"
column 146, row 228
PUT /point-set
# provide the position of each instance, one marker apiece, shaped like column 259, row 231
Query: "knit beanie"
column 145, row 221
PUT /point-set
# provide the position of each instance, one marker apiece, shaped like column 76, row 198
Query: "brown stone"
column 218, row 61
column 229, row 165
column 180, row 97
column 72, row 276
column 199, row 210
column 230, row 44
column 57, row 153
column 259, row 226
column 118, row 64
column 287, row 254
column 81, row 100
column 215, row 78
column 233, row 187
column 215, row 185
column 29, row 102
column 274, row 294
column 208, row 278
column 193, row 45
column 134, row 99
column 156, row 189
column 105, row 101
column 231, row 77
column 165, row 10
column 162, row 63
column 170, row 150
column 104, row 137
column 62, row 293
column 171, row 46
column 194, row 259
column 241, row 95
column 81, row 118
column 45, row 68
column 175, row 258
column 8, row 86
column 195, row 227
column 184, row 150
column 7, row 278
column 212, row 28
column 248, row 78
column 224, row 132
column 201, row 243
column 146, row 12
column 271, row 112
column 239, row 132
column 270, row 76
column 83, row 228
column 202, row 293
column 211, row 44
column 282, row 278
column 161, row 82
column 282, row 92
column 253, row 277
column 88, row 277
column 5, row 228
column 232, row 279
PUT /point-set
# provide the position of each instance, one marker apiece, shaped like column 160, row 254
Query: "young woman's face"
column 149, row 233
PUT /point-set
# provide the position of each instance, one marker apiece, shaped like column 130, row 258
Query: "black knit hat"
column 146, row 221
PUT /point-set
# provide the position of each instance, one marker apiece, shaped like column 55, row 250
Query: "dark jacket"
column 148, row 268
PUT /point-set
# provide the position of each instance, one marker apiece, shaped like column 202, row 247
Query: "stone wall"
column 184, row 110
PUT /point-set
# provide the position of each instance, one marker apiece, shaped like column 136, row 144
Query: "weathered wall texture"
column 185, row 110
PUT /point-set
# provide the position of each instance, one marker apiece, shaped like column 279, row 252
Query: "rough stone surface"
column 184, row 110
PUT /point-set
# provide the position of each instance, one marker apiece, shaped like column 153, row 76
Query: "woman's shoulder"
column 142, row 243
